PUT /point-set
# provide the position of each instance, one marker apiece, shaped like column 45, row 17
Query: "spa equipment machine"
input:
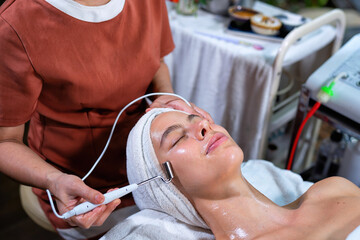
column 340, row 75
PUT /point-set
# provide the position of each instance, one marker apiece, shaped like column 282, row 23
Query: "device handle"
column 109, row 197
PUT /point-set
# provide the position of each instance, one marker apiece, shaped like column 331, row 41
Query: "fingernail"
column 99, row 198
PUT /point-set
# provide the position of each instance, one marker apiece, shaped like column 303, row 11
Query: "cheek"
column 184, row 152
column 180, row 157
column 181, row 160
column 184, row 161
column 181, row 152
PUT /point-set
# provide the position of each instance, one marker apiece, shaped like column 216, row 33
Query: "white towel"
column 279, row 185
column 142, row 164
column 150, row 224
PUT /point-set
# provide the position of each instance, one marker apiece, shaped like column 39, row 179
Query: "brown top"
column 71, row 78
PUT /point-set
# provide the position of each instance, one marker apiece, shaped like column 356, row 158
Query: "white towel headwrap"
column 143, row 164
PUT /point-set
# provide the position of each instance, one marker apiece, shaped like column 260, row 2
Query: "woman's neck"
column 245, row 215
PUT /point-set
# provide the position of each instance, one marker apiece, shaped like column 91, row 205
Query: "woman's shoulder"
column 336, row 186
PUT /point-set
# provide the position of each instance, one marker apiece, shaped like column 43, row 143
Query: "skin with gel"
column 207, row 167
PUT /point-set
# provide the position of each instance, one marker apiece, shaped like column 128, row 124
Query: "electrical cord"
column 308, row 116
column 108, row 142
column 323, row 96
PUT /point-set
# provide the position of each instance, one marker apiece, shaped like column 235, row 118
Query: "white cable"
column 109, row 139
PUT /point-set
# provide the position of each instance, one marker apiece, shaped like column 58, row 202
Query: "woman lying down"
column 209, row 191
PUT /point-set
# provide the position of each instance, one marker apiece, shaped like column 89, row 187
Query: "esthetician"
column 68, row 67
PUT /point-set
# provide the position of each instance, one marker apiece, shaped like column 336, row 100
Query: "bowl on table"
column 265, row 25
column 290, row 21
column 241, row 15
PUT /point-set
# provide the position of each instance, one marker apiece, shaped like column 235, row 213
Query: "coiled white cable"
column 108, row 142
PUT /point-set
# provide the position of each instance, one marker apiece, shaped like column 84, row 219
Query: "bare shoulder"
column 341, row 182
column 336, row 186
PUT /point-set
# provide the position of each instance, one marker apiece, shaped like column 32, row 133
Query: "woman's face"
column 203, row 155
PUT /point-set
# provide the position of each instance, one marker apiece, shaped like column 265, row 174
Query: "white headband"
column 143, row 164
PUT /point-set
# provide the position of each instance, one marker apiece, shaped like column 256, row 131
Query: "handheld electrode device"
column 110, row 196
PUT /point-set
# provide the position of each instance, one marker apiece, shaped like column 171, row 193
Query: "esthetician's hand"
column 176, row 103
column 70, row 191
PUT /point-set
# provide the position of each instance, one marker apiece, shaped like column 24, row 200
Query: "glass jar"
column 187, row 7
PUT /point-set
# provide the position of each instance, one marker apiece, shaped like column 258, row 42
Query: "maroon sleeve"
column 167, row 43
column 20, row 86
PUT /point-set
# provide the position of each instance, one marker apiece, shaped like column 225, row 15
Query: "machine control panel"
column 351, row 67
column 346, row 98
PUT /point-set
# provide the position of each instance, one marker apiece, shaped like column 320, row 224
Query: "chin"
column 234, row 156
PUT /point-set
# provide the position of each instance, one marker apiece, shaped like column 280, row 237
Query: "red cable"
column 310, row 113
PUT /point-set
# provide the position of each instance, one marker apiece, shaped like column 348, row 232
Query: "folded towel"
column 142, row 164
column 279, row 185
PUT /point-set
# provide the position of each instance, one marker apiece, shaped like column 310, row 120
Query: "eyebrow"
column 174, row 127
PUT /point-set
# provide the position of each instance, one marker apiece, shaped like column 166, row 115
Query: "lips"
column 215, row 141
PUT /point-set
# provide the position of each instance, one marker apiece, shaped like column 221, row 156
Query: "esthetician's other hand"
column 70, row 191
column 178, row 104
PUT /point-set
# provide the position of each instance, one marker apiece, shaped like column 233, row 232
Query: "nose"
column 202, row 129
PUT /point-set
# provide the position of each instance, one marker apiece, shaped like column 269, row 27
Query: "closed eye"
column 178, row 140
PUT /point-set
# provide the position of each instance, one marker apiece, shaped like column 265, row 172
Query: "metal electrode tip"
column 168, row 171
